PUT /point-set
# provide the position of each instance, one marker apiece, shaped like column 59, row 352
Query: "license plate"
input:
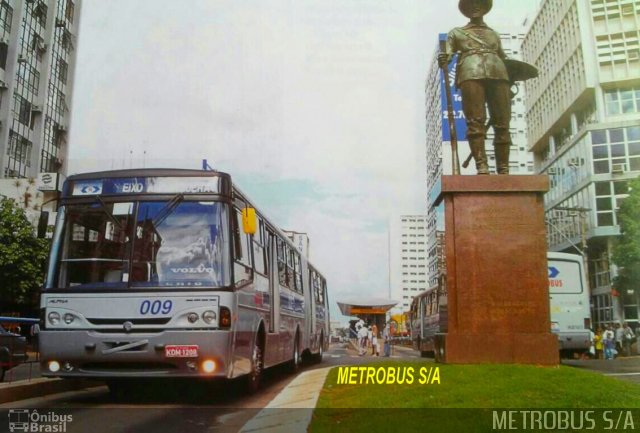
column 181, row 351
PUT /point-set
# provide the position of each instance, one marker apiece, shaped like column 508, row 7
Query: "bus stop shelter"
column 372, row 310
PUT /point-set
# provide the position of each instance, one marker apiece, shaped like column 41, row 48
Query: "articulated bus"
column 569, row 302
column 159, row 273
column 428, row 319
column 568, row 299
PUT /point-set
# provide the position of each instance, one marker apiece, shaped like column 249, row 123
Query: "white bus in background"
column 569, row 302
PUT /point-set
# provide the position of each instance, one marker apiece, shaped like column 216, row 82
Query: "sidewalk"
column 301, row 394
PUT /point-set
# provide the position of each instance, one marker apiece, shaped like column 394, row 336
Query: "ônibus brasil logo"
column 32, row 421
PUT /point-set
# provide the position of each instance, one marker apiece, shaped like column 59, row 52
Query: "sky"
column 315, row 107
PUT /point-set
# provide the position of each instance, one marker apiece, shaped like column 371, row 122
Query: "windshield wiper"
column 167, row 209
column 103, row 207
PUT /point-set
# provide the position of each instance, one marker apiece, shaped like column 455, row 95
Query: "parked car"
column 13, row 351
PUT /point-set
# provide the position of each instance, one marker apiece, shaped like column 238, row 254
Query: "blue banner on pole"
column 456, row 95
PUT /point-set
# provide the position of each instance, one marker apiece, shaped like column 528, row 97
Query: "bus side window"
column 290, row 273
column 297, row 269
column 282, row 263
column 242, row 265
column 259, row 256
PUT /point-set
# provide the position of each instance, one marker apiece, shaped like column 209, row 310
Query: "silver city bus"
column 174, row 273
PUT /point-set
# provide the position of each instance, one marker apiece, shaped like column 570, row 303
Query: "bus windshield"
column 174, row 243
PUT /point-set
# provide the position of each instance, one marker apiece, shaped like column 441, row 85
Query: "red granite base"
column 497, row 279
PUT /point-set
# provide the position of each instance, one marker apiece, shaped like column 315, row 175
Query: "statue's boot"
column 502, row 157
column 479, row 154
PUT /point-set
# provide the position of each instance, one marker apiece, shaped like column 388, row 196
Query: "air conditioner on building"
column 36, row 109
column 42, row 47
column 551, row 171
column 618, row 168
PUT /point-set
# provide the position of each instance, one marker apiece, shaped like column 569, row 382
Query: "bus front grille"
column 155, row 321
column 127, row 367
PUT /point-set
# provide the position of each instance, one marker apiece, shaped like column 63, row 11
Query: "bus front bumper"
column 174, row 353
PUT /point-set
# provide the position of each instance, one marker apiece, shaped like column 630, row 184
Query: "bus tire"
column 318, row 356
column 254, row 378
column 440, row 349
column 297, row 357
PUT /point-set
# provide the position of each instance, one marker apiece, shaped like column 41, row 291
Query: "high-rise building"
column 439, row 142
column 583, row 114
column 37, row 57
column 408, row 244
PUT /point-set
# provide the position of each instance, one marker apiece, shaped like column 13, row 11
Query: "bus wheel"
column 319, row 355
column 297, row 359
column 257, row 366
column 440, row 349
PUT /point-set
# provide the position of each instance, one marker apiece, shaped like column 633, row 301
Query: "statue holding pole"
column 485, row 77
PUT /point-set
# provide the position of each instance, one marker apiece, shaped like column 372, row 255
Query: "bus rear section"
column 569, row 303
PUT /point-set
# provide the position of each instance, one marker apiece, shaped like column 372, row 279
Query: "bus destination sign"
column 149, row 185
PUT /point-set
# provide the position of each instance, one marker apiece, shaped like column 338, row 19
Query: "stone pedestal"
column 497, row 279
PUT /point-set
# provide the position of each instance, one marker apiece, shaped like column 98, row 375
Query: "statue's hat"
column 465, row 7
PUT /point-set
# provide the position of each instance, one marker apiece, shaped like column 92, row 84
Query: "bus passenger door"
column 310, row 305
column 274, row 290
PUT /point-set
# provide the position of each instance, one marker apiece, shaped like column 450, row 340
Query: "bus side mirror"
column 249, row 220
column 43, row 223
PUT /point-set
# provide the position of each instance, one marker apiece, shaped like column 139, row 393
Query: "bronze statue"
column 483, row 78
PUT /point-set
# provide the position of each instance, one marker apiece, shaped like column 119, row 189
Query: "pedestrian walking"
column 628, row 338
column 362, row 340
column 374, row 341
column 385, row 337
column 599, row 346
column 609, row 342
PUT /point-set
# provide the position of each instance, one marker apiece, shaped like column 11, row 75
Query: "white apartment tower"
column 408, row 244
column 439, row 144
column 37, row 58
column 583, row 114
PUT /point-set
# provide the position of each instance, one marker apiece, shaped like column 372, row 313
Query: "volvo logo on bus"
column 127, row 326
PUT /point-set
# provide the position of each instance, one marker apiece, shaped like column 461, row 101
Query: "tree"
column 23, row 258
column 626, row 254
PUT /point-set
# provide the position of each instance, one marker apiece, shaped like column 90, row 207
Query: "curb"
column 40, row 387
column 301, row 394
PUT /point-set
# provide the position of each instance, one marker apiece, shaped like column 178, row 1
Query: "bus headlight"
column 209, row 316
column 54, row 366
column 68, row 318
column 192, row 317
column 54, row 318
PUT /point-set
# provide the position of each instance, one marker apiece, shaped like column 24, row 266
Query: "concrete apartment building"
column 38, row 40
column 583, row 117
column 409, row 264
column 439, row 143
